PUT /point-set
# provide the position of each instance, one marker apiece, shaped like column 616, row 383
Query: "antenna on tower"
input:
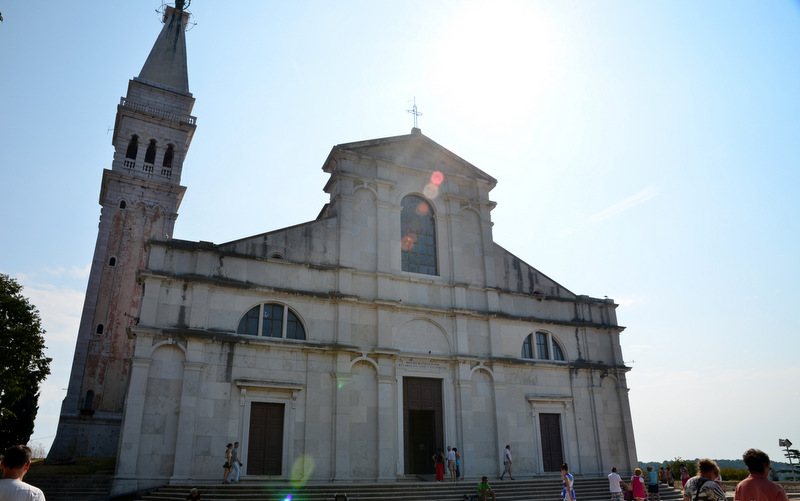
column 414, row 112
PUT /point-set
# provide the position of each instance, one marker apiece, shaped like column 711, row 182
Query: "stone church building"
column 347, row 348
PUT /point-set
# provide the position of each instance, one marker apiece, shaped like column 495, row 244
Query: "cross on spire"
column 414, row 112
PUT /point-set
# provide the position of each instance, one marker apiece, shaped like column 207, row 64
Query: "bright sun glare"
column 501, row 55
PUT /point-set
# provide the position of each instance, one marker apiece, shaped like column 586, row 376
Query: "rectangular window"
column 541, row 346
column 272, row 325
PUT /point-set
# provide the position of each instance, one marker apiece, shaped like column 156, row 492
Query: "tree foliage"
column 23, row 365
column 675, row 467
column 729, row 473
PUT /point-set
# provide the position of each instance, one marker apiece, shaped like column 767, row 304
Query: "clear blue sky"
column 645, row 151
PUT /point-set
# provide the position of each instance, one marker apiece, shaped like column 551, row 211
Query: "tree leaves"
column 23, row 365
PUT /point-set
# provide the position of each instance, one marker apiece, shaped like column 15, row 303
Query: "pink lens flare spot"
column 437, row 178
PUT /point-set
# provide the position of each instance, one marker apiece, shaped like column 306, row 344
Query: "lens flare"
column 437, row 178
column 288, row 497
column 431, row 191
column 422, row 209
column 407, row 242
column 301, row 470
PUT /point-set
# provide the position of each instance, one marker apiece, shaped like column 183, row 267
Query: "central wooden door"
column 265, row 447
column 552, row 454
column 423, row 430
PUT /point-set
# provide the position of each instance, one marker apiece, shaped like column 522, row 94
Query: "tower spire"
column 166, row 65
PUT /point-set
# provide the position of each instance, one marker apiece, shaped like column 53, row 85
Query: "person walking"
column 757, row 486
column 451, row 463
column 236, row 465
column 684, row 475
column 507, row 463
column 637, row 485
column 702, row 487
column 226, row 467
column 15, row 464
column 458, row 464
column 438, row 460
column 652, row 484
column 615, row 485
column 568, row 490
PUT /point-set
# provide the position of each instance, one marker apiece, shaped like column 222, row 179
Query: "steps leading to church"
column 72, row 488
column 586, row 489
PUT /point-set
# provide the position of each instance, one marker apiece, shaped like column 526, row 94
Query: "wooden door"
column 265, row 447
column 552, row 454
column 423, row 423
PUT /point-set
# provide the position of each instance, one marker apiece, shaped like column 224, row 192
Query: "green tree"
column 675, row 467
column 729, row 473
column 23, row 365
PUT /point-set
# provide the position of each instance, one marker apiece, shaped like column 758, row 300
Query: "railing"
column 148, row 169
column 160, row 112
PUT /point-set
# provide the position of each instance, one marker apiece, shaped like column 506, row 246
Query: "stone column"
column 386, row 427
column 130, row 435
column 183, row 468
column 341, row 426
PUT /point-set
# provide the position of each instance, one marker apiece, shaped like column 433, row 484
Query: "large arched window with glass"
column 418, row 236
column 272, row 320
column 542, row 346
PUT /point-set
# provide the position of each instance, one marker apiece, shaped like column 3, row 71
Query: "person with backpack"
column 703, row 487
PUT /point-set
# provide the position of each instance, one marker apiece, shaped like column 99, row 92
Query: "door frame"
column 545, row 404
column 270, row 393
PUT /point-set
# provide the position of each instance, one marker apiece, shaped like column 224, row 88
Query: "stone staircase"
column 72, row 488
column 549, row 489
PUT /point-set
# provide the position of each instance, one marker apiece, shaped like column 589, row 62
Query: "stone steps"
column 586, row 489
column 72, row 488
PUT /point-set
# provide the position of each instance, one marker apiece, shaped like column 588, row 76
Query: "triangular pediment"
column 414, row 151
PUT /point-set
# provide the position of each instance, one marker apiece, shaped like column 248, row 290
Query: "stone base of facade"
column 85, row 435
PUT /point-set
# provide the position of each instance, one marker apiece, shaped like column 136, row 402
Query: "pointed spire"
column 166, row 65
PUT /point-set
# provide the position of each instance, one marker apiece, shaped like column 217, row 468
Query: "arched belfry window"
column 272, row 320
column 168, row 156
column 418, row 236
column 133, row 147
column 150, row 154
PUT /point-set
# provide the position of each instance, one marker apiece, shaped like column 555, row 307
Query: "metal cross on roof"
column 414, row 112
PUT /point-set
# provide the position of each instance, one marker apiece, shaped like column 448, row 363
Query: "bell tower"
column 139, row 199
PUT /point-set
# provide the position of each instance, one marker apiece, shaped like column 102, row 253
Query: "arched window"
column 542, row 346
column 168, row 156
column 112, row 261
column 122, row 204
column 418, row 236
column 150, row 154
column 133, row 147
column 271, row 320
column 99, row 329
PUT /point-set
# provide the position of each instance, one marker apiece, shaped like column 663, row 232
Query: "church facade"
column 347, row 348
